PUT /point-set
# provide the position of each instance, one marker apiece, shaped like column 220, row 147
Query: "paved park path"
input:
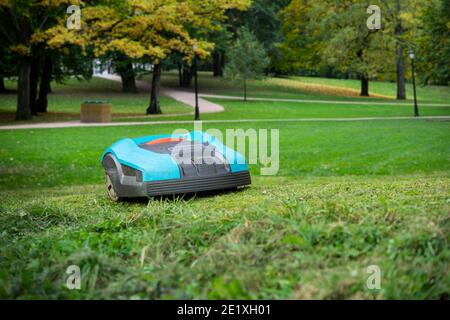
column 185, row 97
column 77, row 124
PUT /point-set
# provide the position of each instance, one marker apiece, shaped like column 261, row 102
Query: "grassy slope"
column 314, row 149
column 431, row 94
column 235, row 109
column 348, row 195
column 65, row 101
column 312, row 88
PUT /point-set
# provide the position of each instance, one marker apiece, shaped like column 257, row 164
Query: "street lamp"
column 416, row 108
column 197, row 110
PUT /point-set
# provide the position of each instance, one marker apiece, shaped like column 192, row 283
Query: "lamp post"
column 197, row 110
column 416, row 108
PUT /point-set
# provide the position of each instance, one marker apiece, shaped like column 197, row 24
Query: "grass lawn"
column 348, row 195
column 64, row 103
column 425, row 94
column 235, row 109
column 313, row 89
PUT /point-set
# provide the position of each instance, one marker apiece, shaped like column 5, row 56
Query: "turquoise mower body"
column 172, row 164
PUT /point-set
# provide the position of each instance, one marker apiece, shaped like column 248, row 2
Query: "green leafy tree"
column 124, row 67
column 263, row 20
column 7, row 63
column 20, row 23
column 247, row 59
column 347, row 43
column 400, row 22
column 433, row 43
column 300, row 48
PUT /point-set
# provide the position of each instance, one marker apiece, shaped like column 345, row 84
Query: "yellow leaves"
column 5, row 3
column 20, row 49
column 133, row 49
column 41, row 3
column 59, row 36
column 138, row 28
column 39, row 37
column 231, row 4
column 57, row 3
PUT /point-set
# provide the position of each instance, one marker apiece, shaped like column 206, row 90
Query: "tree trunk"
column 180, row 75
column 34, row 79
column 218, row 58
column 245, row 90
column 2, row 84
column 23, row 95
column 128, row 79
column 44, row 87
column 364, row 86
column 401, row 86
column 187, row 76
column 154, row 107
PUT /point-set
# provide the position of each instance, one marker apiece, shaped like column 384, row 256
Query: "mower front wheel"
column 110, row 189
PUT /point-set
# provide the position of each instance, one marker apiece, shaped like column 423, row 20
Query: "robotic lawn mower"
column 169, row 165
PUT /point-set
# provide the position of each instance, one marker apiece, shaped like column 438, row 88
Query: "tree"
column 400, row 23
column 221, row 40
column 44, row 88
column 153, row 29
column 154, row 106
column 262, row 19
column 124, row 67
column 7, row 67
column 21, row 23
column 433, row 44
column 300, row 48
column 349, row 45
column 247, row 59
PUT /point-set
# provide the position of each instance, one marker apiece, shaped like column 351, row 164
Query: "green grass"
column 236, row 109
column 310, row 239
column 64, row 103
column 425, row 94
column 306, row 149
column 348, row 195
column 312, row 88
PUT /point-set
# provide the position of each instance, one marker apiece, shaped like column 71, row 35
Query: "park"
column 362, row 157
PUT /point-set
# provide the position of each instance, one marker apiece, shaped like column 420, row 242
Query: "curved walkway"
column 185, row 97
column 77, row 124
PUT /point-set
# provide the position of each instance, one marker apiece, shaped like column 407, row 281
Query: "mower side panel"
column 154, row 167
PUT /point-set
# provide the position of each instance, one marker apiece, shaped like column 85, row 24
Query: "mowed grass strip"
column 239, row 110
column 71, row 156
